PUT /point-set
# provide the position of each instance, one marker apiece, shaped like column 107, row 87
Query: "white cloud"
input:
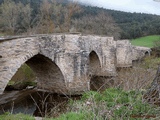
column 143, row 6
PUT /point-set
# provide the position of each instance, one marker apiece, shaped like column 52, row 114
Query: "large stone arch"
column 49, row 75
column 11, row 66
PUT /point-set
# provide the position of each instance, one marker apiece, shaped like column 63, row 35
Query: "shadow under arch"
column 94, row 63
column 49, row 77
column 94, row 68
column 97, row 81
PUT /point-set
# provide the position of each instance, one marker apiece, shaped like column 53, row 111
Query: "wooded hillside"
column 50, row 16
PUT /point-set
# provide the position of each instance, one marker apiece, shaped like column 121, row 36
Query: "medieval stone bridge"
column 64, row 63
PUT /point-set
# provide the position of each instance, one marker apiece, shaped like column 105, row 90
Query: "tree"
column 9, row 15
column 56, row 17
column 15, row 17
column 102, row 24
column 62, row 15
column 45, row 24
column 153, row 93
column 26, row 21
column 72, row 8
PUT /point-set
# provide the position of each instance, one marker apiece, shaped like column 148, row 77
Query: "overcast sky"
column 142, row 6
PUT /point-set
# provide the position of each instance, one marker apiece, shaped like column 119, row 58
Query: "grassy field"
column 147, row 41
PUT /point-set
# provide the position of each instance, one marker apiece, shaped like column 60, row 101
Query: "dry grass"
column 111, row 104
column 124, row 101
column 134, row 78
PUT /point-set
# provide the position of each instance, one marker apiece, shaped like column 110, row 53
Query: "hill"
column 132, row 25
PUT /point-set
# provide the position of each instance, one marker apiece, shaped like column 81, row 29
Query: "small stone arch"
column 147, row 53
column 94, row 63
column 94, row 69
column 97, row 81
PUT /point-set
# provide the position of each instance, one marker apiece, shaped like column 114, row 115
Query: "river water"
column 34, row 102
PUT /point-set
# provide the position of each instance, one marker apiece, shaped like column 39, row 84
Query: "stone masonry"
column 63, row 63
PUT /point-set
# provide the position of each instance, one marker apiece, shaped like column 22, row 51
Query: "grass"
column 140, row 76
column 151, row 62
column 147, row 41
column 9, row 116
column 123, row 102
column 1, row 34
column 112, row 104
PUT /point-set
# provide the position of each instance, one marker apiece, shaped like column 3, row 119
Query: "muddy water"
column 17, row 101
column 39, row 103
column 34, row 102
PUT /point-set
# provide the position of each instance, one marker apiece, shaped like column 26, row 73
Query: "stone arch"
column 96, row 79
column 11, row 66
column 49, row 75
column 147, row 53
column 94, row 63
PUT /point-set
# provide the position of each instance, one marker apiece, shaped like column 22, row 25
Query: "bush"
column 8, row 116
column 74, row 116
column 113, row 103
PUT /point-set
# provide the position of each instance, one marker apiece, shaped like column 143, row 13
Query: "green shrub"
column 113, row 103
column 75, row 116
column 151, row 62
column 20, row 116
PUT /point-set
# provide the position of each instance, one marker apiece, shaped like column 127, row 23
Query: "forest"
column 18, row 17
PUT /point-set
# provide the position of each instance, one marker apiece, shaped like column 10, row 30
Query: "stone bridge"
column 64, row 63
